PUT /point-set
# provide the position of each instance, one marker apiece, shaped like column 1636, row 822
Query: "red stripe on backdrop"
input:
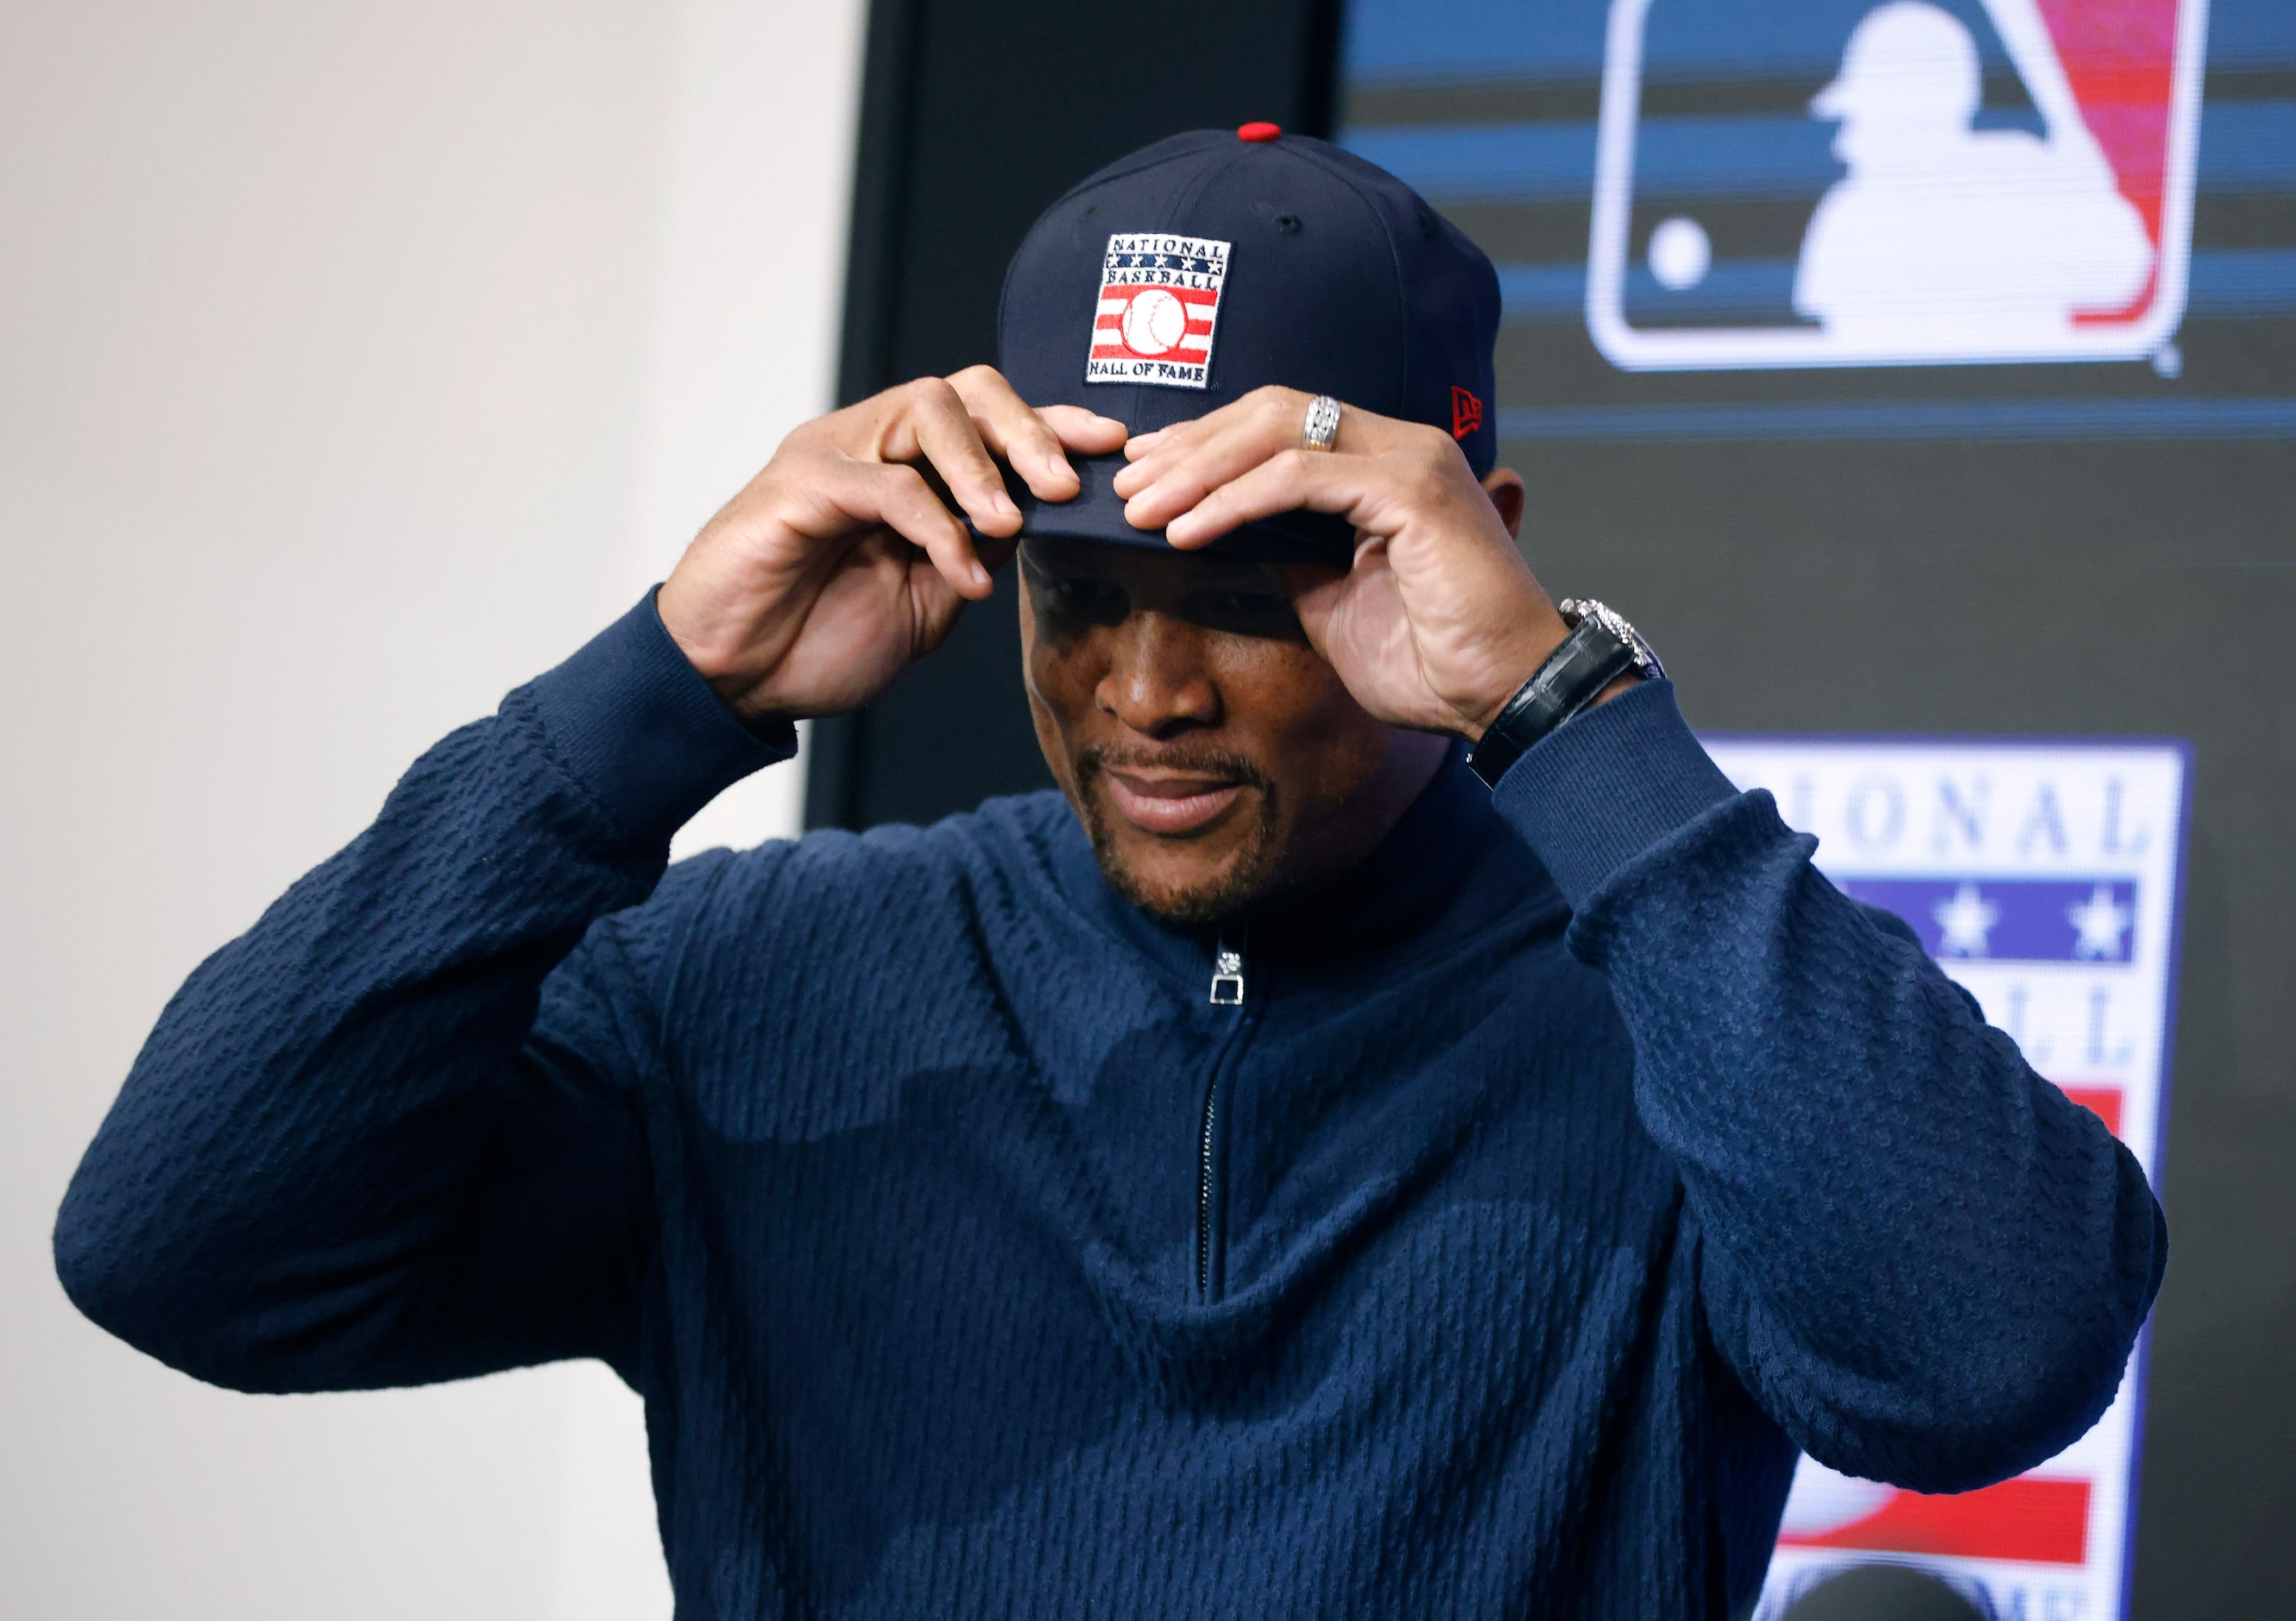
column 2120, row 58
column 1178, row 357
column 2042, row 1522
column 2100, row 1098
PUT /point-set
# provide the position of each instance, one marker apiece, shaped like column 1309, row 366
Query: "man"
column 1277, row 1174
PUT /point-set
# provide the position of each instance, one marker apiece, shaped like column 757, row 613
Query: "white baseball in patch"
column 1155, row 323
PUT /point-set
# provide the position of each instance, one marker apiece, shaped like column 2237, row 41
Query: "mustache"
column 1095, row 758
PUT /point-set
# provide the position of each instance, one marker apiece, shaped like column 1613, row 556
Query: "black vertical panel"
column 975, row 117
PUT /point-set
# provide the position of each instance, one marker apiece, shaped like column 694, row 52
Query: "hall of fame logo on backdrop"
column 1158, row 306
column 1985, row 181
column 2042, row 877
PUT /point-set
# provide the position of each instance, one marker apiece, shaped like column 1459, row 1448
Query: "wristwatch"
column 1601, row 648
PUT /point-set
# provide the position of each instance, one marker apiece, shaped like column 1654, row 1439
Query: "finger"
column 1190, row 459
column 1224, row 445
column 1013, row 429
column 896, row 496
column 994, row 551
column 1086, row 432
column 1168, row 440
column 1150, row 454
column 937, row 424
column 1274, row 417
column 1163, row 446
column 934, row 607
column 1291, row 481
column 936, row 604
column 1320, row 591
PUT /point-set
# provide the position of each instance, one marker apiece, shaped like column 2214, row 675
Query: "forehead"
column 1158, row 567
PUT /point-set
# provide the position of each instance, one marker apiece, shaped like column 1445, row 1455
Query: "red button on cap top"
column 1258, row 132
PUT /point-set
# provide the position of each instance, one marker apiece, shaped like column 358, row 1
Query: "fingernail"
column 980, row 575
column 1003, row 503
column 1058, row 465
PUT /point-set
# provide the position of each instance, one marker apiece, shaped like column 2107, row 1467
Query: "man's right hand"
column 840, row 562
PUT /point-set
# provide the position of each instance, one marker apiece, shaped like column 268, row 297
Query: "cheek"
column 1307, row 730
column 1059, row 673
column 1285, row 695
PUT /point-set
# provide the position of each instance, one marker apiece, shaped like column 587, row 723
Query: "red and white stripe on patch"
column 1158, row 304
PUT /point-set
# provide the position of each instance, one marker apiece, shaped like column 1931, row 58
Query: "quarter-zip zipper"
column 1228, row 973
column 1227, row 991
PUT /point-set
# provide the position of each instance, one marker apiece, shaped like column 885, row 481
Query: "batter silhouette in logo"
column 1944, row 236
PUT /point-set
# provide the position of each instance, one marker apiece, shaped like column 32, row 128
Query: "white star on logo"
column 2102, row 922
column 1966, row 920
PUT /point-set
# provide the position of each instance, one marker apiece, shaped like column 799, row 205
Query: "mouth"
column 1171, row 804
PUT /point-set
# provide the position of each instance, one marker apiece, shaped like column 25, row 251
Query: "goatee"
column 1247, row 878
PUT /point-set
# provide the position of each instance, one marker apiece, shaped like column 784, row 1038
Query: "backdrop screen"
column 1929, row 370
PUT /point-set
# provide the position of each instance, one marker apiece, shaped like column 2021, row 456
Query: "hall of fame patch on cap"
column 1159, row 303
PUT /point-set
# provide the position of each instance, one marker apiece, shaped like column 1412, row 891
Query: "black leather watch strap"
column 1590, row 659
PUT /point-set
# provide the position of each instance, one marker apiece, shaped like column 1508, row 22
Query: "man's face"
column 1212, row 755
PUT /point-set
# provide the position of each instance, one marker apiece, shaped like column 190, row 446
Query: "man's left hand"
column 1440, row 620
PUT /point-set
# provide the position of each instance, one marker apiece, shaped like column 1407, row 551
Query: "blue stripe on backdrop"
column 2002, row 919
column 2245, row 146
column 1481, row 40
column 1478, row 41
column 1563, row 39
column 2226, row 282
column 1999, row 420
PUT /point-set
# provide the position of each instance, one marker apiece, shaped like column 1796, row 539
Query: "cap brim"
column 1098, row 514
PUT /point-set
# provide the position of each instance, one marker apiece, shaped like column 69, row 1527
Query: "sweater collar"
column 1449, row 865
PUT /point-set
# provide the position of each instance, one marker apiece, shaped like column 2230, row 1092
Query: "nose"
column 1156, row 682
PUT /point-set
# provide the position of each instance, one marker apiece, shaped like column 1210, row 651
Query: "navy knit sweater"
column 1578, row 1158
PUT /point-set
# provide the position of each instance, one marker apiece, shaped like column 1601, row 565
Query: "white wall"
column 355, row 362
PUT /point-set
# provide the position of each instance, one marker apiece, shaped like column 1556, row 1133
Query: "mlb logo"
column 1158, row 310
column 1966, row 181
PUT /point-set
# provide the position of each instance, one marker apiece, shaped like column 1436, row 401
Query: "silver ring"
column 1322, row 424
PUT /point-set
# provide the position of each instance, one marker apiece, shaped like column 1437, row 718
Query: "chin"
column 1206, row 900
column 1174, row 886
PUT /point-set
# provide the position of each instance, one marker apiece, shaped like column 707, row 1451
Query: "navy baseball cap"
column 1182, row 277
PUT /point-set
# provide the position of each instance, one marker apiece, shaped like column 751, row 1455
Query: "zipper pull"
column 1227, row 972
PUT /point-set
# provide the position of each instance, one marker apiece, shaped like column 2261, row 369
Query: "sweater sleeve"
column 392, row 1134
column 1925, row 1262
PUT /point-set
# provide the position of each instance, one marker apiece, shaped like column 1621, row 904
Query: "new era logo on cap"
column 1159, row 303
